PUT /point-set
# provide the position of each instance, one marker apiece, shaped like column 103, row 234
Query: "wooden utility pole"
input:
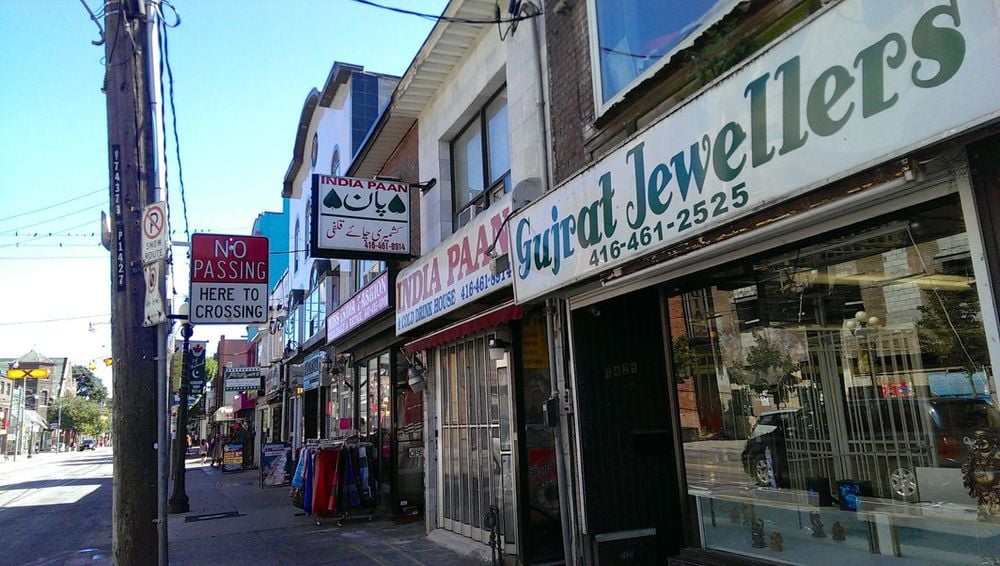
column 134, row 346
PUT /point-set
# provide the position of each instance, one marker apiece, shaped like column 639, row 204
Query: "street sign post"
column 228, row 279
column 154, row 233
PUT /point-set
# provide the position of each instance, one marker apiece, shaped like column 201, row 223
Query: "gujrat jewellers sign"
column 862, row 83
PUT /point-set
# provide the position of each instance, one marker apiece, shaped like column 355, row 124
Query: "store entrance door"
column 628, row 455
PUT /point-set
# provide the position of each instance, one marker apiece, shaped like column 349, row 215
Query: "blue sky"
column 241, row 73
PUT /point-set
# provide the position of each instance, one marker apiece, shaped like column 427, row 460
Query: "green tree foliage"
column 86, row 416
column 950, row 330
column 772, row 369
column 88, row 385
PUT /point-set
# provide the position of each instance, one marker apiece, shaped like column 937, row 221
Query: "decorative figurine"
column 817, row 525
column 981, row 474
column 734, row 515
column 777, row 542
column 839, row 532
column 757, row 534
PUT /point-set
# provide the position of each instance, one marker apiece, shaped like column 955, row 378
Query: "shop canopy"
column 224, row 413
column 489, row 319
column 33, row 418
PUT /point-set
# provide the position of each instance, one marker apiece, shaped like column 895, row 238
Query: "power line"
column 48, row 320
column 51, row 257
column 15, row 244
column 47, row 207
column 449, row 19
column 165, row 61
column 53, row 219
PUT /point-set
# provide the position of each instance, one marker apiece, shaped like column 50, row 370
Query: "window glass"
column 368, row 270
column 833, row 393
column 633, row 36
column 499, row 138
column 479, row 180
column 467, row 155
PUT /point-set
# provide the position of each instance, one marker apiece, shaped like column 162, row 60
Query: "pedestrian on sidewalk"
column 204, row 450
column 217, row 450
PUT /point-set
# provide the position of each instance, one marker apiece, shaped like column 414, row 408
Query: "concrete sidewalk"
column 233, row 521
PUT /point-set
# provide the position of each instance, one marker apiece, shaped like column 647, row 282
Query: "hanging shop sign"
column 861, row 84
column 370, row 301
column 311, row 367
column 456, row 272
column 228, row 279
column 359, row 218
column 196, row 367
column 243, row 379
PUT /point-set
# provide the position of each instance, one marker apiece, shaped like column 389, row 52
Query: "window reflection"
column 850, row 372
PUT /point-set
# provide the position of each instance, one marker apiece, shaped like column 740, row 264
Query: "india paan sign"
column 860, row 84
column 359, row 218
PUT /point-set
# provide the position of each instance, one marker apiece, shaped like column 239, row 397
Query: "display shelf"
column 880, row 533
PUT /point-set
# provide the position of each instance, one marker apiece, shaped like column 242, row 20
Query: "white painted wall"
column 483, row 71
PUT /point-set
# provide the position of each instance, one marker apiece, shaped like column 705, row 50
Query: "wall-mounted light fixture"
column 498, row 347
column 415, row 373
column 425, row 185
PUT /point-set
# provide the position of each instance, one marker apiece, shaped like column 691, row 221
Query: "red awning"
column 489, row 319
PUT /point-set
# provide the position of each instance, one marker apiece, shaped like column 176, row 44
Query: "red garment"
column 324, row 492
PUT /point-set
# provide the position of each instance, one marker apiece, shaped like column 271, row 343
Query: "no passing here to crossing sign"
column 228, row 279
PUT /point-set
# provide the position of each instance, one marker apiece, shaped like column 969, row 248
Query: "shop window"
column 841, row 398
column 298, row 246
column 368, row 271
column 315, row 309
column 635, row 38
column 480, row 157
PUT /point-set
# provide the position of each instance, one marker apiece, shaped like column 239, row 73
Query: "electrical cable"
column 49, row 235
column 448, row 19
column 53, row 219
column 44, row 208
column 51, row 257
column 165, row 60
column 48, row 320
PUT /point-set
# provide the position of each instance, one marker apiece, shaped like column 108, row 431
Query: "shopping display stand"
column 337, row 481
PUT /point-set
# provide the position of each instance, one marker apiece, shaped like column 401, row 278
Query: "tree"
column 87, row 416
column 950, row 330
column 772, row 369
column 88, row 385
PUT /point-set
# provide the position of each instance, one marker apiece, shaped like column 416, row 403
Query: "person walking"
column 205, row 447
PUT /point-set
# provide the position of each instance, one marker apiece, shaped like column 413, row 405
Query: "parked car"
column 898, row 434
column 88, row 444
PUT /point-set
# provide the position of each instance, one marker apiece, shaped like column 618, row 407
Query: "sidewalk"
column 233, row 521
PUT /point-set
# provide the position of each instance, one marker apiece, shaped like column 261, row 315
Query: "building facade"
column 769, row 257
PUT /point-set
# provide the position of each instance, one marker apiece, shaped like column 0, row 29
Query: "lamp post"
column 178, row 502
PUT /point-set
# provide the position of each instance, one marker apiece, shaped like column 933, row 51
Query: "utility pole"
column 135, row 348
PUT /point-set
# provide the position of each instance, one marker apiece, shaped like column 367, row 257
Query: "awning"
column 224, row 413
column 33, row 418
column 495, row 317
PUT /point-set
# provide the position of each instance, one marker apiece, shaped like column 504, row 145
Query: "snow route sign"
column 228, row 279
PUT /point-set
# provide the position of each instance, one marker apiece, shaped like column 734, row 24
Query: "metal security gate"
column 627, row 449
column 476, row 439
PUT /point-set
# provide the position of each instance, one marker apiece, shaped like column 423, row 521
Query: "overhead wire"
column 450, row 19
column 42, row 237
column 53, row 219
column 48, row 320
column 44, row 208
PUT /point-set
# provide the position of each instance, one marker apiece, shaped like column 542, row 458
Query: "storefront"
column 369, row 396
column 789, row 355
column 485, row 366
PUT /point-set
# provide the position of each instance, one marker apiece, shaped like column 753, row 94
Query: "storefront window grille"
column 838, row 400
column 476, row 465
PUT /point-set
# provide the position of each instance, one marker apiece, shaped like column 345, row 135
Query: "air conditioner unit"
column 467, row 215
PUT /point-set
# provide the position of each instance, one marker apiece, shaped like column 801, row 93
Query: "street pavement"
column 55, row 509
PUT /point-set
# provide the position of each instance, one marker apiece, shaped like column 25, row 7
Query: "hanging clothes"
column 324, row 482
column 366, row 488
column 308, row 481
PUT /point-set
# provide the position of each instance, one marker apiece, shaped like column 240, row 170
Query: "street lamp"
column 178, row 502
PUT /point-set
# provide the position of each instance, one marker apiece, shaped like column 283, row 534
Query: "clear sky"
column 242, row 70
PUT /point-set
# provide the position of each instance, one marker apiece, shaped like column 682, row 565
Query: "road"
column 56, row 509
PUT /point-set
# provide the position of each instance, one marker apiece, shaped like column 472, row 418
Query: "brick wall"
column 404, row 163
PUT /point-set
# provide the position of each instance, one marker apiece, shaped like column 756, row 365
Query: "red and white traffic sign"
column 154, row 232
column 228, row 279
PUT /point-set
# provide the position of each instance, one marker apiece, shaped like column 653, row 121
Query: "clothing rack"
column 334, row 479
